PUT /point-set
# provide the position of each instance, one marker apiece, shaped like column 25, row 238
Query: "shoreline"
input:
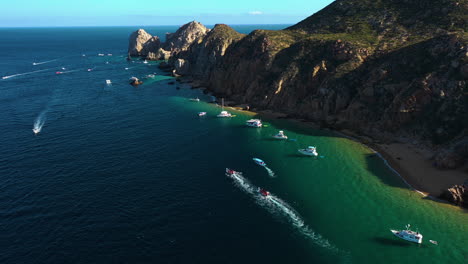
column 409, row 162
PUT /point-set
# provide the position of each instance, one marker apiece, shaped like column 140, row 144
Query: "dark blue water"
column 122, row 174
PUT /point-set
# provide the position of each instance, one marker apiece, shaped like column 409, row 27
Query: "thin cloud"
column 255, row 13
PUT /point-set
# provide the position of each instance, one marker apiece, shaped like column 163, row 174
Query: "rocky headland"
column 385, row 71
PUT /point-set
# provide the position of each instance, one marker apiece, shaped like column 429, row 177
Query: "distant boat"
column 254, row 123
column 126, row 68
column 36, row 131
column 90, row 69
column 263, row 192
column 108, row 82
column 223, row 113
column 145, row 62
column 101, row 54
column 408, row 235
column 309, row 151
column 109, row 54
column 195, row 99
column 280, row 135
column 259, row 162
column 201, row 113
column 135, row 81
column 58, row 72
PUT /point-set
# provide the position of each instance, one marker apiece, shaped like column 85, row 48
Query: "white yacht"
column 280, row 135
column 224, row 113
column 408, row 235
column 309, row 151
column 254, row 123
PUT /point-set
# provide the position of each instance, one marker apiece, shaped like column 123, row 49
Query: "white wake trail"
column 270, row 172
column 26, row 73
column 39, row 122
column 277, row 206
column 43, row 62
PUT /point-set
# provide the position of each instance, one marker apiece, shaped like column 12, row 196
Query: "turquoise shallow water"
column 132, row 175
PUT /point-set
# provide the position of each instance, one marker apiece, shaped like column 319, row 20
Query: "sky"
column 63, row 13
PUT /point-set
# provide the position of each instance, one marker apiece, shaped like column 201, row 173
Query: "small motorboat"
column 201, row 113
column 126, row 69
column 408, row 235
column 145, row 62
column 109, row 54
column 259, row 162
column 90, row 70
column 309, row 151
column 108, row 82
column 224, row 114
column 254, row 123
column 194, row 99
column 135, row 81
column 263, row 192
column 280, row 135
column 58, row 72
column 36, row 131
column 63, row 68
column 150, row 76
column 230, row 172
column 101, row 54
column 434, row 242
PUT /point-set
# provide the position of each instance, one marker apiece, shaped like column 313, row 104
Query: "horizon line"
column 78, row 26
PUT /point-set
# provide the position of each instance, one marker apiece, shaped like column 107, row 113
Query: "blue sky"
column 27, row 13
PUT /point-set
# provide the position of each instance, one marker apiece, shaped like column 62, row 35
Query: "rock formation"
column 458, row 195
column 385, row 69
column 185, row 36
column 141, row 43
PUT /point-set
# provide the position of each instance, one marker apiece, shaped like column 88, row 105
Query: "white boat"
column 108, row 82
column 224, row 113
column 280, row 135
column 109, row 54
column 101, row 54
column 408, row 235
column 150, row 76
column 254, row 123
column 145, row 62
column 36, row 131
column 309, row 151
column 259, row 162
column 201, row 113
column 195, row 99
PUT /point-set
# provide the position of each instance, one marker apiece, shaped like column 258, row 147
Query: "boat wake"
column 270, row 172
column 277, row 206
column 25, row 73
column 43, row 62
column 39, row 122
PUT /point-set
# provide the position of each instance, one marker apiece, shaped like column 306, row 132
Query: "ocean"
column 123, row 174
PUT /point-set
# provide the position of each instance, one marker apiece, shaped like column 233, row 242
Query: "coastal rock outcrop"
column 141, row 43
column 458, row 195
column 185, row 36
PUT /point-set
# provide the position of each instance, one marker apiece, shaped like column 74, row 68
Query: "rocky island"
column 391, row 73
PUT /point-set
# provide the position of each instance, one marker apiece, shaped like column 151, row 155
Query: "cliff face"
column 141, row 43
column 185, row 36
column 386, row 69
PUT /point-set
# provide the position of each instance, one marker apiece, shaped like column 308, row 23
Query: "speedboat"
column 254, row 123
column 259, row 162
column 145, row 62
column 58, row 72
column 126, row 68
column 36, row 131
column 263, row 192
column 135, row 81
column 224, row 114
column 109, row 54
column 408, row 235
column 195, row 99
column 309, row 151
column 90, row 70
column 280, row 135
column 101, row 54
column 201, row 113
column 150, row 76
column 108, row 82
column 230, row 172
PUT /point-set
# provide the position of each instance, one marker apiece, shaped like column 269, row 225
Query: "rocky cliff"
column 142, row 44
column 386, row 69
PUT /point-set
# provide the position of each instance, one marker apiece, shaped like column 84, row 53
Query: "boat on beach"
column 280, row 135
column 309, row 151
column 254, row 123
column 408, row 235
column 259, row 162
